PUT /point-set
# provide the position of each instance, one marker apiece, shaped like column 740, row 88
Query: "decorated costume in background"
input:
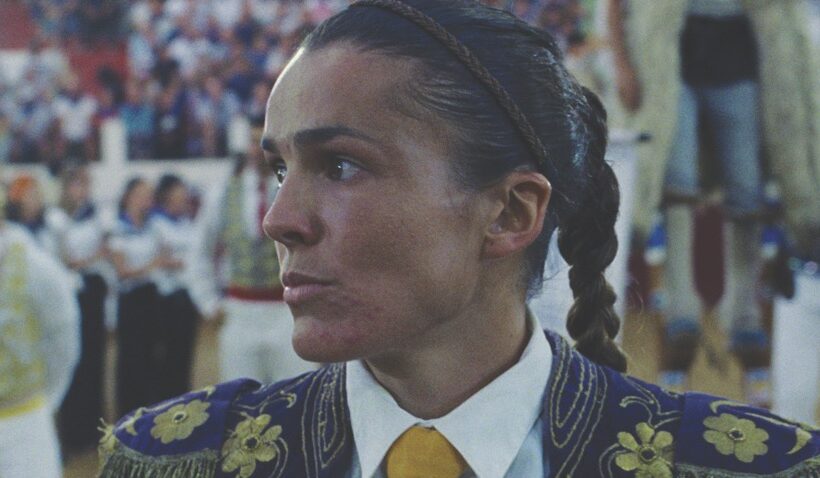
column 39, row 347
column 80, row 239
column 789, row 99
column 727, row 62
column 178, row 315
column 255, row 341
column 594, row 422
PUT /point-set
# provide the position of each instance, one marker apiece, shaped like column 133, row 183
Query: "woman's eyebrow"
column 318, row 136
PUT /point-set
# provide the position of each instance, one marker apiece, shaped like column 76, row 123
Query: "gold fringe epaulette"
column 127, row 463
column 807, row 469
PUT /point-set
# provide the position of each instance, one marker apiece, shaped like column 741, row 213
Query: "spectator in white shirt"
column 136, row 255
column 75, row 111
column 81, row 235
column 178, row 315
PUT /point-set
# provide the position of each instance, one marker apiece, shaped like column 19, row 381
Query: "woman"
column 80, row 238
column 27, row 208
column 414, row 141
column 177, row 313
column 137, row 256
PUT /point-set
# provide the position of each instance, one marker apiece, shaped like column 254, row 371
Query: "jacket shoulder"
column 207, row 432
column 600, row 422
column 729, row 439
column 185, row 432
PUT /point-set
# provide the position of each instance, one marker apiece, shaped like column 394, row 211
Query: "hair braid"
column 588, row 242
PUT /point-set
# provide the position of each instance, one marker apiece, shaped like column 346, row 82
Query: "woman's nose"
column 290, row 220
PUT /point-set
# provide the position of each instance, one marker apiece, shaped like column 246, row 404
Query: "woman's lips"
column 301, row 288
column 300, row 294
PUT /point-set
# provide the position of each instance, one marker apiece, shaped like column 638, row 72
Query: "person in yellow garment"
column 39, row 348
column 427, row 150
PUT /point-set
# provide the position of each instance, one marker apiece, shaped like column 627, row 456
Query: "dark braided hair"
column 501, row 87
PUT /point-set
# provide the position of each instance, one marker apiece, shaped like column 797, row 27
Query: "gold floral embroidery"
column 736, row 436
column 651, row 458
column 179, row 421
column 802, row 432
column 249, row 443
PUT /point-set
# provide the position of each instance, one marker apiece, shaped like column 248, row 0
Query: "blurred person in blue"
column 39, row 347
column 177, row 314
column 427, row 150
column 137, row 114
column 748, row 70
column 213, row 109
column 80, row 234
column 255, row 338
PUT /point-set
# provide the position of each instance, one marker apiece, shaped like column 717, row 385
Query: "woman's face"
column 31, row 204
column 141, row 198
column 177, row 202
column 78, row 189
column 378, row 246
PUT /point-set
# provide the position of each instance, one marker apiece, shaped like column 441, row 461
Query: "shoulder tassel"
column 126, row 463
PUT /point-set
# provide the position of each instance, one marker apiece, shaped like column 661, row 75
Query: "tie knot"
column 424, row 453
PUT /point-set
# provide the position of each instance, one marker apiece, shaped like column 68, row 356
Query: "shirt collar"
column 498, row 417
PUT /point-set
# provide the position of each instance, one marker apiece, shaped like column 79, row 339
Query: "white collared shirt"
column 498, row 430
column 177, row 238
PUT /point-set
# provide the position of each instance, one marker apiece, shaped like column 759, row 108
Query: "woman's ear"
column 522, row 206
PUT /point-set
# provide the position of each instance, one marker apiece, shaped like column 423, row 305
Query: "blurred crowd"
column 193, row 67
column 132, row 260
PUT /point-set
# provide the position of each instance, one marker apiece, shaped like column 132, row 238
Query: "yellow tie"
column 424, row 453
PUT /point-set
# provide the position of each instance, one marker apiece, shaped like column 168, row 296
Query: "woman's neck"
column 136, row 216
column 461, row 357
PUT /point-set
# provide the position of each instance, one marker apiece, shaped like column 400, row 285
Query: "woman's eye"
column 341, row 169
column 280, row 170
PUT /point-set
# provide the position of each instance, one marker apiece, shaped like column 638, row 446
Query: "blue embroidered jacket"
column 597, row 423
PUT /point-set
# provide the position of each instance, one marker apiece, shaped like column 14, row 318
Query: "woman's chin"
column 326, row 342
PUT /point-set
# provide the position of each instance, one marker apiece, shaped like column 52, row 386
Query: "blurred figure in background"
column 213, row 109
column 797, row 318
column 724, row 61
column 255, row 341
column 81, row 236
column 171, row 120
column 795, row 355
column 39, row 344
column 137, row 256
column 26, row 207
column 75, row 110
column 177, row 314
column 137, row 114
